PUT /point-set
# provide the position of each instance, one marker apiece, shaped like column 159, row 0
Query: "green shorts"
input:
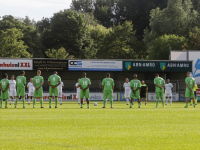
column 108, row 94
column 189, row 94
column 20, row 91
column 5, row 95
column 85, row 94
column 53, row 92
column 136, row 95
column 38, row 93
column 159, row 94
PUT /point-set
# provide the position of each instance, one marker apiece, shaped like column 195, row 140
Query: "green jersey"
column 191, row 82
column 54, row 79
column 21, row 81
column 4, row 83
column 108, row 83
column 159, row 81
column 37, row 80
column 135, row 83
column 84, row 82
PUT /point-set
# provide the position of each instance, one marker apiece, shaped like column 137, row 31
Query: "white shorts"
column 77, row 95
column 127, row 94
column 168, row 94
column 30, row 93
column 59, row 93
column 12, row 93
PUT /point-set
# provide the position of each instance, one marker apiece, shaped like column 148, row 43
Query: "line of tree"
column 105, row 29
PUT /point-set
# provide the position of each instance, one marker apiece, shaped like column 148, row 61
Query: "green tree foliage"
column 120, row 43
column 160, row 48
column 61, row 53
column 11, row 45
column 193, row 42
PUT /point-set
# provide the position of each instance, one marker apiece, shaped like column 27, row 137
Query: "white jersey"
column 168, row 87
column 77, row 89
column 12, row 85
column 127, row 87
column 60, row 86
column 30, row 86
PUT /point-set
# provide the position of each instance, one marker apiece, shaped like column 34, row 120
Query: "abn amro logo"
column 128, row 65
column 162, row 66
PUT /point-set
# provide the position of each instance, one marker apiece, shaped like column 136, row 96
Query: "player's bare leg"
column 81, row 102
column 50, row 100
column 139, row 103
column 131, row 103
column 166, row 99
column 56, row 101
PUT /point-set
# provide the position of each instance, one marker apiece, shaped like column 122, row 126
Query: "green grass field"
column 70, row 127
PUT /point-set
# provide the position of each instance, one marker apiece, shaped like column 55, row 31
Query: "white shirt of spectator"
column 60, row 86
column 30, row 86
column 127, row 87
column 12, row 85
column 77, row 89
column 168, row 87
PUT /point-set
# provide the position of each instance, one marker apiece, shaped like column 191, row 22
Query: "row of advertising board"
column 95, row 65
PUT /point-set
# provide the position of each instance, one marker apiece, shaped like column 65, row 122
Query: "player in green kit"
column 84, row 84
column 159, row 85
column 38, row 81
column 107, row 87
column 189, row 92
column 21, row 82
column 53, row 81
column 135, row 85
column 4, row 83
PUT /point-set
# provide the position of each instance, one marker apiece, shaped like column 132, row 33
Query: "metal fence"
column 69, row 86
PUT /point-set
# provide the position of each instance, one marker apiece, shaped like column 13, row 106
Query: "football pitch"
column 70, row 127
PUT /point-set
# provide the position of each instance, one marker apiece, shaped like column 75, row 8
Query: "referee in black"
column 143, row 92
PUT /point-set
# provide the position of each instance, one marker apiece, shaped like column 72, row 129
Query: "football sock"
column 23, row 100
column 88, row 105
column 130, row 104
column 166, row 100
column 191, row 102
column 1, row 102
column 111, row 102
column 34, row 102
column 157, row 102
column 29, row 100
column 6, row 103
column 138, row 105
column 171, row 101
column 104, row 103
column 16, row 101
column 56, row 101
column 79, row 101
column 127, row 100
column 195, row 101
column 50, row 99
column 10, row 100
column 41, row 102
column 60, row 100
column 81, row 105
column 162, row 102
column 194, row 105
column 186, row 104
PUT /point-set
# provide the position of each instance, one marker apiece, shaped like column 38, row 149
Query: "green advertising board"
column 157, row 66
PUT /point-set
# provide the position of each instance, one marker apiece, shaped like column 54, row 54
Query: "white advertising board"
column 86, row 65
column 152, row 97
column 16, row 64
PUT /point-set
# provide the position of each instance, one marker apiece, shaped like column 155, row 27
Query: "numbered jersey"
column 108, row 83
column 159, row 81
column 191, row 82
column 84, row 82
column 37, row 80
column 21, row 81
column 4, row 83
column 135, row 84
column 54, row 79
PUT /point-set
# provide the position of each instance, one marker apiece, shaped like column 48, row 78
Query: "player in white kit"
column 60, row 87
column 31, row 90
column 127, row 90
column 78, row 92
column 168, row 91
column 12, row 89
